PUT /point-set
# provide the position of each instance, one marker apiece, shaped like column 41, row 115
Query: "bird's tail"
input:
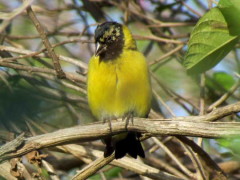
column 129, row 145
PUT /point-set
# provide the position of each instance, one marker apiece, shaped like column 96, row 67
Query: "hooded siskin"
column 118, row 85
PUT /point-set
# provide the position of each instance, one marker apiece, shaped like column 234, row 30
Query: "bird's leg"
column 109, row 123
column 127, row 117
column 108, row 140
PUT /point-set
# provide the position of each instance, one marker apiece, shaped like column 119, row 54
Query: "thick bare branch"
column 183, row 126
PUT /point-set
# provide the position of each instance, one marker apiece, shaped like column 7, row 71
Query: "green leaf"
column 224, row 79
column 231, row 12
column 220, row 82
column 209, row 42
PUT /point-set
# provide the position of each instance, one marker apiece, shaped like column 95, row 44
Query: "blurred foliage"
column 113, row 172
column 36, row 102
column 220, row 81
column 233, row 146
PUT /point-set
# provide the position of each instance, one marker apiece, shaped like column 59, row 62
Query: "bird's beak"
column 100, row 48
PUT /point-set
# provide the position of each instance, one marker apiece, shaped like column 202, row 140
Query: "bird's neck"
column 129, row 42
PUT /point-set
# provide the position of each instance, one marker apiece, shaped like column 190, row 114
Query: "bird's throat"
column 112, row 52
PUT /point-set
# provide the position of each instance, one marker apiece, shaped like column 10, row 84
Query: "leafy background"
column 204, row 68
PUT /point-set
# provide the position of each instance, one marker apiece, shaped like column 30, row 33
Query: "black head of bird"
column 109, row 40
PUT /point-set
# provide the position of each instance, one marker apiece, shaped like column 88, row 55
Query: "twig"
column 159, row 163
column 68, row 34
column 51, row 52
column 33, row 54
column 93, row 167
column 172, row 24
column 134, row 10
column 224, row 97
column 209, row 4
column 63, row 82
column 207, row 162
column 163, row 103
column 176, row 97
column 202, row 94
column 166, row 55
column 12, row 145
column 71, row 76
column 51, row 170
column 156, row 38
column 127, row 163
column 202, row 101
column 8, row 17
column 195, row 159
column 173, row 157
column 191, row 9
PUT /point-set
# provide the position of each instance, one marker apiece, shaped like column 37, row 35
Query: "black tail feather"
column 130, row 145
column 109, row 147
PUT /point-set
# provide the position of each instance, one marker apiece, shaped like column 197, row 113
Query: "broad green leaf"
column 231, row 12
column 209, row 42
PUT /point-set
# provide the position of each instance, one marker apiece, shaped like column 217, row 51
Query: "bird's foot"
column 127, row 117
column 109, row 123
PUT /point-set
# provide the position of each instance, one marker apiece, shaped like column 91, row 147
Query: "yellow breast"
column 119, row 86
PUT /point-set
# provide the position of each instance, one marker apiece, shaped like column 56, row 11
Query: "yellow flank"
column 119, row 86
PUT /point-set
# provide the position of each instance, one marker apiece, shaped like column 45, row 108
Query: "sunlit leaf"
column 231, row 12
column 209, row 43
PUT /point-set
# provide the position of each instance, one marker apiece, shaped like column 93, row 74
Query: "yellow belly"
column 119, row 86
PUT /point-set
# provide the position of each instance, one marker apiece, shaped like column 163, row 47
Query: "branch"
column 51, row 52
column 209, row 165
column 71, row 76
column 5, row 171
column 12, row 145
column 130, row 164
column 183, row 126
column 166, row 55
column 28, row 53
column 93, row 167
column 158, row 39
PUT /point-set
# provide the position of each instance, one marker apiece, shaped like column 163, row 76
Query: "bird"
column 118, row 85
